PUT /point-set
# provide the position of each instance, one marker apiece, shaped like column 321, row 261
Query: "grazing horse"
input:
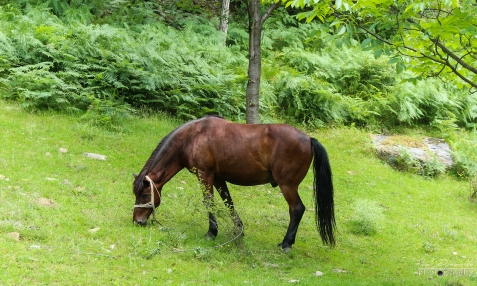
column 219, row 151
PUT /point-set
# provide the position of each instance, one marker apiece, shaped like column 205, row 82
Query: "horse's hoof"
column 210, row 236
column 285, row 247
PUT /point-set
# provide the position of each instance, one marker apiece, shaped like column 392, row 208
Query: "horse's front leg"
column 208, row 192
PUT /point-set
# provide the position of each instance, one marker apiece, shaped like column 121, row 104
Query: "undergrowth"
column 368, row 217
column 84, row 56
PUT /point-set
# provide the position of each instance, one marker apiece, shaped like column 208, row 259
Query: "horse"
column 218, row 151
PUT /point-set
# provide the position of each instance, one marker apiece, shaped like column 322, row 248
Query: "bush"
column 464, row 146
column 66, row 56
column 367, row 217
column 68, row 67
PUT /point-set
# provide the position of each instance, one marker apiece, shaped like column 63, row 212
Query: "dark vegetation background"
column 106, row 60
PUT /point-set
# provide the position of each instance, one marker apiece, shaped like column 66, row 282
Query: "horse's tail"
column 323, row 193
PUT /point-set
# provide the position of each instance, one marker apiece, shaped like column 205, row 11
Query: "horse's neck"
column 165, row 167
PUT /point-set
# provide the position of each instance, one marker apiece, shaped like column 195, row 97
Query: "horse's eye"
column 144, row 196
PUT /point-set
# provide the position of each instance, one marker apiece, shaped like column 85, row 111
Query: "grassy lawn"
column 67, row 219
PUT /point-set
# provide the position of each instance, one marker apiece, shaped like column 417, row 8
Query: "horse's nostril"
column 141, row 222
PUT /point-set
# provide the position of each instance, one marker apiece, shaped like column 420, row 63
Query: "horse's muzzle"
column 140, row 222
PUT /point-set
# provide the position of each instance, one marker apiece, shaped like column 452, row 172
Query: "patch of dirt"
column 46, row 202
column 14, row 235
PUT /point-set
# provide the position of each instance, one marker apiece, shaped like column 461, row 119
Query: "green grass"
column 424, row 223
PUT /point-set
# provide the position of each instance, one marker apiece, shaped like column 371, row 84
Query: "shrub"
column 464, row 146
column 367, row 217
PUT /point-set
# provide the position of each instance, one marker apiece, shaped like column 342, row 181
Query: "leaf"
column 365, row 42
column 378, row 53
column 342, row 30
column 338, row 4
column 400, row 67
column 393, row 60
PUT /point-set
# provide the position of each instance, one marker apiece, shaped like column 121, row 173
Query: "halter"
column 150, row 205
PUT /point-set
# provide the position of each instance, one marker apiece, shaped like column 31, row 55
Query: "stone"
column 95, row 156
column 14, row 235
column 389, row 148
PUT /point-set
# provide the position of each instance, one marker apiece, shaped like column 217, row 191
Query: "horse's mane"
column 138, row 183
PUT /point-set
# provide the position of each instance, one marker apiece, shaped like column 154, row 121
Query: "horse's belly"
column 244, row 177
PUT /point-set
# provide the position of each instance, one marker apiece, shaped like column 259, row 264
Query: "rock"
column 46, row 202
column 93, row 230
column 318, row 273
column 62, row 150
column 95, row 156
column 390, row 148
column 66, row 182
column 272, row 265
column 14, row 235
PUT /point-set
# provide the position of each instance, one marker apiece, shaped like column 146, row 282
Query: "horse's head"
column 148, row 198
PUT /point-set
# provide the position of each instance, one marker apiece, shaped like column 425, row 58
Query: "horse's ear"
column 135, row 176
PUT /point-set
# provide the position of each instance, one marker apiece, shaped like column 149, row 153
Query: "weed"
column 367, row 217
column 429, row 247
column 433, row 168
column 407, row 163
column 473, row 188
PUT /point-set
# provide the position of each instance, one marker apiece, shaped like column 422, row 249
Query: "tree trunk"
column 254, row 62
column 224, row 18
column 255, row 20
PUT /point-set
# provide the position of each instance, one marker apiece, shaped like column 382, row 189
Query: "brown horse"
column 219, row 151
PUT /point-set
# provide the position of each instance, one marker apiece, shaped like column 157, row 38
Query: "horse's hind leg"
column 296, row 210
column 223, row 190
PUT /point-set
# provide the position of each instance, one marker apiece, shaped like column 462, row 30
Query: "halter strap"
column 150, row 205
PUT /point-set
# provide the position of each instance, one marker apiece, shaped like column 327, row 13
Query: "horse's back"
column 251, row 154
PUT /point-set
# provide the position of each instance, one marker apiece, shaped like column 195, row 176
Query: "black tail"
column 323, row 193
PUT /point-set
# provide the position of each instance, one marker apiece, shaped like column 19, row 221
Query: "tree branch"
column 454, row 56
column 269, row 11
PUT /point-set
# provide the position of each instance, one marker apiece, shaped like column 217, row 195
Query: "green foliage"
column 367, row 217
column 429, row 247
column 107, row 113
column 473, row 189
column 464, row 146
column 68, row 67
column 432, row 168
column 431, row 38
column 146, row 55
column 407, row 163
